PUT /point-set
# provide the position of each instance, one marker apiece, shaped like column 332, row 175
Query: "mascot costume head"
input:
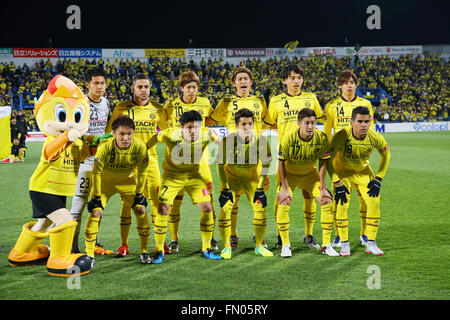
column 62, row 113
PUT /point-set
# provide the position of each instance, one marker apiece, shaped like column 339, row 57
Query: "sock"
column 225, row 225
column 234, row 215
column 342, row 220
column 206, row 229
column 174, row 218
column 90, row 234
column 372, row 218
column 125, row 222
column 259, row 223
column 362, row 215
column 143, row 228
column 160, row 229
column 283, row 222
column 309, row 212
column 326, row 220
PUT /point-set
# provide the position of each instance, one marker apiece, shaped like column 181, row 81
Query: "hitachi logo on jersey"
column 145, row 123
column 302, row 158
column 96, row 123
column 344, row 120
column 288, row 113
column 71, row 162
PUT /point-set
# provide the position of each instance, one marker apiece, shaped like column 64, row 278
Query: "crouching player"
column 237, row 166
column 120, row 167
column 350, row 150
column 299, row 151
column 184, row 150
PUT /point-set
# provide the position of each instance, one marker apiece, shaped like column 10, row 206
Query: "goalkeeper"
column 120, row 167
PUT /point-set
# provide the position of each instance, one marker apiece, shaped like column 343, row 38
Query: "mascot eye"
column 61, row 114
column 79, row 113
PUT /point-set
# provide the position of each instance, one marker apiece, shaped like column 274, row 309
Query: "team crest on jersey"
column 256, row 106
column 152, row 116
column 307, row 104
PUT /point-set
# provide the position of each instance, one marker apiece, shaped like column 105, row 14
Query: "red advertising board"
column 35, row 53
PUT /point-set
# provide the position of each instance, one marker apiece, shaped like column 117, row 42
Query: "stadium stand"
column 408, row 88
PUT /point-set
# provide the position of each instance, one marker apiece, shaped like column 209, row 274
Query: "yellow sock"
column 225, row 224
column 309, row 212
column 275, row 209
column 283, row 222
column 206, row 229
column 342, row 221
column 125, row 222
column 362, row 214
column 143, row 228
column 174, row 218
column 259, row 223
column 160, row 229
column 90, row 234
column 326, row 220
column 234, row 216
column 372, row 218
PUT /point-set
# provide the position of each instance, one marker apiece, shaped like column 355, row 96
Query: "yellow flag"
column 5, row 132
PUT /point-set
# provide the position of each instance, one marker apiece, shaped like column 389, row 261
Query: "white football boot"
column 345, row 249
column 329, row 251
column 286, row 251
column 372, row 248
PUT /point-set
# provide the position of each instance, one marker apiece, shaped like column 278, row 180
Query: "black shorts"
column 45, row 203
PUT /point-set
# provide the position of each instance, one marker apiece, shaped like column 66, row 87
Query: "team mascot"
column 62, row 113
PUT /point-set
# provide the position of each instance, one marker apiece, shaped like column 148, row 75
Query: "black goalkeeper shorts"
column 45, row 203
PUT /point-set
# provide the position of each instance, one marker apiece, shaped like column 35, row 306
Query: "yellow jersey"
column 351, row 155
column 240, row 158
column 176, row 107
column 284, row 108
column 59, row 176
column 117, row 164
column 181, row 156
column 227, row 107
column 338, row 113
column 146, row 119
column 299, row 156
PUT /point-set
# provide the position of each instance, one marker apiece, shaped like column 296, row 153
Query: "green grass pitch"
column 414, row 234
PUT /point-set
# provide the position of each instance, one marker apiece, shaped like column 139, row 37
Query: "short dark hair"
column 243, row 113
column 305, row 113
column 345, row 75
column 96, row 72
column 360, row 110
column 140, row 76
column 190, row 116
column 122, row 121
column 292, row 67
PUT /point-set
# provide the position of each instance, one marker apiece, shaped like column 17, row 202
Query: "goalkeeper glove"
column 339, row 194
column 139, row 199
column 94, row 203
column 261, row 196
column 374, row 187
column 96, row 140
column 225, row 195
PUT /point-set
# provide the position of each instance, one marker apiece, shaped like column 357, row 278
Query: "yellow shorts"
column 309, row 182
column 126, row 189
column 358, row 181
column 240, row 186
column 172, row 183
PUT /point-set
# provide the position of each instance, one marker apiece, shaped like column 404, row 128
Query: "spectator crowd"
column 417, row 85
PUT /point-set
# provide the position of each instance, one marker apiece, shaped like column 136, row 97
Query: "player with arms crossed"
column 184, row 150
column 189, row 100
column 120, row 167
column 297, row 166
column 224, row 113
column 350, row 150
column 147, row 116
column 237, row 166
column 338, row 114
column 283, row 111
column 100, row 112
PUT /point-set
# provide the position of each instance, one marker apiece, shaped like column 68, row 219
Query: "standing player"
column 350, row 150
column 189, row 100
column 120, row 167
column 283, row 111
column 237, row 165
column 338, row 114
column 147, row 116
column 100, row 112
column 224, row 113
column 184, row 150
column 297, row 166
